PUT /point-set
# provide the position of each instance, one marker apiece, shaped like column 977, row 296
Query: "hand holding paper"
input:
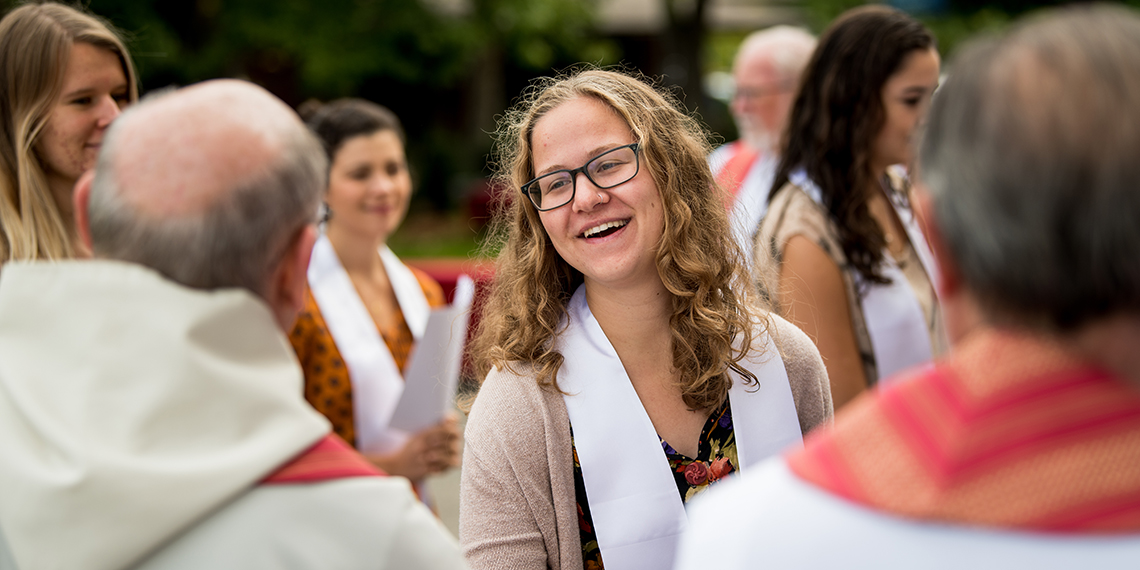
column 432, row 374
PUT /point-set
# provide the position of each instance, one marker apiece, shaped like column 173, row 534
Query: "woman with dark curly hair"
column 844, row 257
column 626, row 365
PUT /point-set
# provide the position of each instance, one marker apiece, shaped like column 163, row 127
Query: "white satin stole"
column 376, row 381
column 900, row 337
column 637, row 511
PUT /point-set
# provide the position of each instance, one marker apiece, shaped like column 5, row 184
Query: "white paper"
column 432, row 375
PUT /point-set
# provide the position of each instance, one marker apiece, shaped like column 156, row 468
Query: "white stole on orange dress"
column 376, row 380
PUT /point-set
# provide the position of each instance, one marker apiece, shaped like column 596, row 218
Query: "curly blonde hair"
column 699, row 262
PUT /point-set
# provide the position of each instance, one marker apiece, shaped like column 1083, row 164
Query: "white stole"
column 376, row 381
column 638, row 514
column 900, row 338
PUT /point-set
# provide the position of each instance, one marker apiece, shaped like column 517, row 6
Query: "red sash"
column 1011, row 432
column 331, row 458
column 732, row 175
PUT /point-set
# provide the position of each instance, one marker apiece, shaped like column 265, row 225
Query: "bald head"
column 766, row 71
column 184, row 150
column 207, row 184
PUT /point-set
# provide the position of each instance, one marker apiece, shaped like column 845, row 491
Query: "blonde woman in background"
column 65, row 76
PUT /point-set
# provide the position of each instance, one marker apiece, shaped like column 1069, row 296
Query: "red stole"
column 1010, row 432
column 331, row 458
column 736, row 169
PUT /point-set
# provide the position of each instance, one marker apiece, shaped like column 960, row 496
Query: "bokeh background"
column 449, row 67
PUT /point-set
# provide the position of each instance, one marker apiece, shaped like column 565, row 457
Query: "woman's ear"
column 286, row 292
column 949, row 280
column 960, row 309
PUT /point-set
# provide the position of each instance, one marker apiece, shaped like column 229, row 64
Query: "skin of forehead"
column 755, row 64
column 177, row 154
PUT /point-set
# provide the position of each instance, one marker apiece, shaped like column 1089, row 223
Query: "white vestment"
column 137, row 417
column 769, row 518
column 752, row 199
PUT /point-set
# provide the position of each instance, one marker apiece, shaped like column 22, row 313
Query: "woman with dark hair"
column 66, row 76
column 364, row 308
column 842, row 254
column 626, row 366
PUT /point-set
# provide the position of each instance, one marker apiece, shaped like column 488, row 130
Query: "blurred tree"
column 684, row 40
column 446, row 67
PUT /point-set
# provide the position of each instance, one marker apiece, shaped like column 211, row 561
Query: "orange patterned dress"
column 327, row 385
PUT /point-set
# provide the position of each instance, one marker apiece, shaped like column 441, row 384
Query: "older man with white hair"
column 766, row 73
column 151, row 413
column 1021, row 448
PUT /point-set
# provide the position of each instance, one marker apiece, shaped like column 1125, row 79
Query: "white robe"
column 137, row 417
column 772, row 519
column 752, row 199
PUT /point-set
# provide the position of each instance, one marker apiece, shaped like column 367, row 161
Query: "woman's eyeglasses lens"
column 606, row 170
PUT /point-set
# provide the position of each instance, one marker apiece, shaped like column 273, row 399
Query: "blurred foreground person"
column 66, row 76
column 364, row 308
column 150, row 408
column 840, row 250
column 627, row 369
column 766, row 72
column 1020, row 449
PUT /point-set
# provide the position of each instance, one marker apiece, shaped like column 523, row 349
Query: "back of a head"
column 208, row 185
column 1030, row 155
column 786, row 48
column 35, row 44
column 338, row 121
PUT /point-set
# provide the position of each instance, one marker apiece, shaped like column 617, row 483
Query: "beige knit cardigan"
column 517, row 504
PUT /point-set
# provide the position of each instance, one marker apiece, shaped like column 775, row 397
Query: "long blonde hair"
column 35, row 44
column 699, row 262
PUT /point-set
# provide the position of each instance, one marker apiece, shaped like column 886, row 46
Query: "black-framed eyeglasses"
column 611, row 168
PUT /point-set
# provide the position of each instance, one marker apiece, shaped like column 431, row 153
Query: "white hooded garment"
column 137, row 417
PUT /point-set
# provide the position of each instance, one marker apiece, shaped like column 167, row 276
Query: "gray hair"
column 1032, row 157
column 788, row 48
column 235, row 242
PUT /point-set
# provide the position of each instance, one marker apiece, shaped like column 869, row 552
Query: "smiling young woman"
column 624, row 360
column 364, row 308
column 844, row 256
column 67, row 75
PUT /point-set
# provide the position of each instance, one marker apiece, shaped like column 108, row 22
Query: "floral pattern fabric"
column 715, row 460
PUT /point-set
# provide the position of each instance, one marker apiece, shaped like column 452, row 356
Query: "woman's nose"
column 587, row 196
column 108, row 109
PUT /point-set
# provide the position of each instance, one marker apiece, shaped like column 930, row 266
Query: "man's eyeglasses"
column 611, row 168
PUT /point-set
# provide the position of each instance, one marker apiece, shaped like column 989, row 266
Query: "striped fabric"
column 1010, row 432
column 330, row 458
column 732, row 175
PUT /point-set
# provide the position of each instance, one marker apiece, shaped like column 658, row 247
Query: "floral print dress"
column 716, row 458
